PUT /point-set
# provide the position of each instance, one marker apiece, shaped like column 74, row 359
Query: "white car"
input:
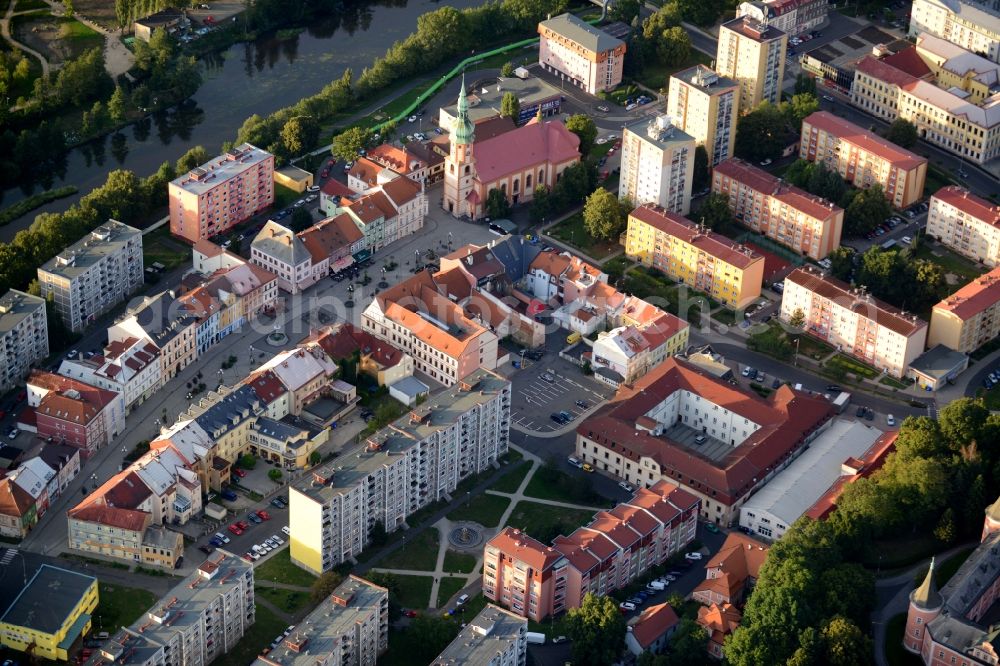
column 692, row 557
column 626, row 487
column 907, row 239
column 766, row 162
column 827, row 98
column 891, row 420
column 626, row 606
column 278, row 540
column 411, row 119
column 313, row 188
column 286, row 530
column 254, row 556
column 574, row 462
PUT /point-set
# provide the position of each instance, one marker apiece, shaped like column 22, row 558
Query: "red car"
column 246, row 556
column 242, row 524
column 410, row 613
column 240, row 472
column 263, row 515
column 324, row 174
column 618, row 144
column 235, row 529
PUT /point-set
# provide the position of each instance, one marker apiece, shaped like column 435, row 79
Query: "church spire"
column 462, row 129
column 927, row 596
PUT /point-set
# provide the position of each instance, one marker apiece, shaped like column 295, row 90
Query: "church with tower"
column 515, row 162
column 953, row 626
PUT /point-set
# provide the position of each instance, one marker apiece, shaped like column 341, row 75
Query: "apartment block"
column 50, row 614
column 162, row 321
column 495, row 637
column 970, row 317
column 657, row 164
column 130, row 367
column 854, row 322
column 705, row 106
column 802, row 222
column 580, row 54
column 683, row 425
column 415, row 461
column 967, row 224
column 200, row 619
column 792, row 17
column 727, row 271
column 628, row 351
column 218, row 195
column 348, row 628
column 24, row 335
column 975, row 26
column 863, row 158
column 753, row 54
column 93, row 275
column 73, row 412
column 612, row 551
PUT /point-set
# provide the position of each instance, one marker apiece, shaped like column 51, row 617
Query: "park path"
column 117, row 58
column 8, row 35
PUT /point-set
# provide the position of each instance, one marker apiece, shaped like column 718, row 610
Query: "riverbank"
column 35, row 201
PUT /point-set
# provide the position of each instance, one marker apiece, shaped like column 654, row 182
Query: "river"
column 255, row 77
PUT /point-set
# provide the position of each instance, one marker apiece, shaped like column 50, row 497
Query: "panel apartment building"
column 24, row 336
column 415, row 461
column 754, row 55
column 854, row 322
column 792, row 17
column 202, row 618
column 581, row 54
column 975, row 26
column 657, row 164
column 705, row 106
column 729, row 272
column 863, row 158
column 617, row 547
column 969, row 318
column 807, row 224
column 965, row 223
column 495, row 637
column 93, row 275
column 218, row 195
column 348, row 628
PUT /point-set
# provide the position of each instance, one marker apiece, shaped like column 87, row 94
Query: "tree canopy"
column 510, row 107
column 902, row 132
column 602, row 215
column 597, row 630
column 867, row 210
column 583, row 126
column 348, row 144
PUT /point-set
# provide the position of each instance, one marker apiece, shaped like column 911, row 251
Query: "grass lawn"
column 289, row 601
column 950, row 263
column 554, row 484
column 414, row 591
column 572, row 232
column 418, row 554
column 853, row 366
column 810, row 346
column 724, row 316
column 448, row 588
column 462, row 563
column 544, row 522
column 894, row 383
column 159, row 246
column 895, row 653
column 616, row 267
column 266, row 627
column 771, row 341
column 936, row 179
column 284, row 196
column 483, row 509
column 511, row 482
column 990, row 398
column 120, row 606
column 656, row 76
column 280, row 569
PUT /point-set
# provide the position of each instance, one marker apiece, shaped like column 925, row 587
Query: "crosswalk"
column 8, row 555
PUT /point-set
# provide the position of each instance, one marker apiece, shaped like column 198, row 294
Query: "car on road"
column 906, row 239
column 693, row 557
column 626, row 607
column 587, row 467
column 242, row 524
column 711, row 527
column 635, row 601
column 461, row 600
column 242, row 473
column 222, row 537
column 411, row 119
column 548, row 376
column 833, row 388
column 827, row 98
column 574, row 462
column 890, row 419
column 766, row 162
column 559, row 639
column 324, row 173
column 263, row 515
column 287, row 531
column 313, row 188
column 235, row 529
column 254, row 518
column 626, row 487
column 410, row 613
column 208, row 549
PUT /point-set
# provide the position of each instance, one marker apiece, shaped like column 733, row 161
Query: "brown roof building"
column 73, row 412
column 718, row 621
column 731, row 573
column 970, row 317
column 17, row 510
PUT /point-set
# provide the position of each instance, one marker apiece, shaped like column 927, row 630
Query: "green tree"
column 315, row 458
column 348, row 144
column 510, row 107
column 597, row 630
column 583, row 126
column 117, row 106
column 805, row 84
column 868, row 210
column 842, row 263
column 541, row 204
column 902, row 133
column 301, row 219
column 324, row 586
column 700, row 12
column 762, row 133
column 123, row 13
column 962, row 422
column 801, row 106
column 68, row 7
column 274, row 475
column 300, row 134
column 797, row 319
column 846, row 644
column 497, row 205
column 507, row 70
column 714, row 212
column 945, row 531
column 624, row 10
column 194, row 157
column 673, row 46
column 602, row 215
column 702, row 175
column 247, row 461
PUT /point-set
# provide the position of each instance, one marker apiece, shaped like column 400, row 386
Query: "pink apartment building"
column 581, row 54
column 618, row 546
column 218, row 195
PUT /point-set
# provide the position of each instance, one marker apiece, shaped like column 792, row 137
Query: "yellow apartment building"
column 705, row 105
column 970, row 317
column 50, row 613
column 725, row 270
column 754, row 55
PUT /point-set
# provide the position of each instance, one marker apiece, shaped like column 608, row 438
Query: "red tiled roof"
column 841, row 293
column 522, row 548
column 366, row 171
column 863, row 139
column 719, row 621
column 128, row 493
column 785, row 418
column 765, row 183
column 266, row 386
column 391, row 157
column 342, row 340
column 401, row 190
column 373, row 206
column 92, row 398
column 882, row 71
column 330, row 236
column 207, row 248
column 528, row 146
column 909, row 62
column 653, row 623
column 708, row 241
column 337, row 189
column 14, row 500
column 969, row 203
column 126, row 519
column 975, row 297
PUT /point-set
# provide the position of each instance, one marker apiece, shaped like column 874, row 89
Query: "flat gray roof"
column 220, row 169
column 47, row 600
column 15, row 306
column 411, row 386
column 80, row 257
column 581, row 32
column 484, row 100
column 493, row 630
column 705, row 79
column 939, row 362
column 658, row 131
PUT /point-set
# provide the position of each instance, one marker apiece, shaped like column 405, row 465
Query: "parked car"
column 711, row 527
column 573, row 461
column 264, row 515
column 461, row 600
column 208, row 549
column 765, row 162
column 557, row 417
column 235, row 529
column 228, row 495
column 890, row 420
column 254, row 518
column 582, row 404
column 242, row 473
column 626, row 487
column 587, row 467
column 277, row 539
column 693, row 557
column 242, row 524
column 287, row 531
column 626, row 607
column 276, row 502
column 548, row 376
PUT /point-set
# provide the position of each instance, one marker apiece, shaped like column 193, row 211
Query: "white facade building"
column 975, row 26
column 657, row 165
column 130, row 367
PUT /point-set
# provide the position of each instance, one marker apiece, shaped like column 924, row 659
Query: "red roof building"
column 853, row 469
column 73, row 412
column 17, row 510
column 651, row 629
column 718, row 621
column 651, row 428
column 732, row 571
column 376, row 357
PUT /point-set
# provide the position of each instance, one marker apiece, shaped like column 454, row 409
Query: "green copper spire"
column 462, row 129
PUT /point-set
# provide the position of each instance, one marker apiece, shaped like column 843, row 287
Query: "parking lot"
column 551, row 385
